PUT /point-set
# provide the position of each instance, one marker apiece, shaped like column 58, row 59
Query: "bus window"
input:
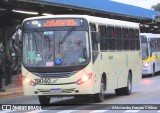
column 143, row 39
column 103, row 38
column 118, row 38
column 132, row 39
column 137, row 39
column 144, row 47
column 94, row 43
column 125, row 39
column 111, row 37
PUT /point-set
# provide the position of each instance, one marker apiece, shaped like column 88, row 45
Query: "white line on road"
column 98, row 111
column 67, row 111
column 6, row 111
column 132, row 111
column 37, row 111
column 159, row 111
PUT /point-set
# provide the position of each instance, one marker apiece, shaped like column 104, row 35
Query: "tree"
column 156, row 7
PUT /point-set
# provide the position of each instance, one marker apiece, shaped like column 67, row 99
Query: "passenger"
column 80, row 50
column 9, row 68
column 1, row 70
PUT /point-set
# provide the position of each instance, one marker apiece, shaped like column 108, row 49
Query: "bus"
column 150, row 45
column 80, row 56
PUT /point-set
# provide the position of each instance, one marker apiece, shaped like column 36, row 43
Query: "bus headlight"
column 145, row 64
column 28, row 81
column 84, row 79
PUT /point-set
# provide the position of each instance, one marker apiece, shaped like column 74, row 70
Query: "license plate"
column 55, row 90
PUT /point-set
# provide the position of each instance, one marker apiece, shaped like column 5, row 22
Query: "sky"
column 140, row 3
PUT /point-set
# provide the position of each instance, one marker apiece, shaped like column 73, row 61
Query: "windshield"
column 144, row 47
column 55, row 48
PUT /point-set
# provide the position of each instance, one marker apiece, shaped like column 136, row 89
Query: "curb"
column 11, row 93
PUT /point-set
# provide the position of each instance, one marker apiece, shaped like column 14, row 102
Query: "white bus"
column 79, row 55
column 150, row 44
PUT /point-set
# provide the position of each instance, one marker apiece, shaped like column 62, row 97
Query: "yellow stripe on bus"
column 150, row 59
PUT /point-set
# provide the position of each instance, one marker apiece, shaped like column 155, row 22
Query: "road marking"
column 159, row 111
column 6, row 111
column 98, row 111
column 122, row 98
column 132, row 111
column 67, row 111
column 37, row 111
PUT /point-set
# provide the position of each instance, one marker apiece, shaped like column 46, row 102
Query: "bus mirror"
column 151, row 49
column 97, row 37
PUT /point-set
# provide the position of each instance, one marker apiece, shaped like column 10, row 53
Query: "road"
column 147, row 91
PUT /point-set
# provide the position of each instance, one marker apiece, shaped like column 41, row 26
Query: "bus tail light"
column 84, row 79
column 28, row 81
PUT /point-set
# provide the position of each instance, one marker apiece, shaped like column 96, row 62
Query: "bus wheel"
column 44, row 100
column 100, row 96
column 127, row 90
column 153, row 73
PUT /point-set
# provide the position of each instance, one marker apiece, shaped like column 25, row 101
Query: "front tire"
column 100, row 96
column 153, row 73
column 44, row 100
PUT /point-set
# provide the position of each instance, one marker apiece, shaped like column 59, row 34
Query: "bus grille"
column 56, row 75
column 45, row 91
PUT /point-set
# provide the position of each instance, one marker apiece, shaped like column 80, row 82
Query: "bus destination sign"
column 53, row 23
column 60, row 22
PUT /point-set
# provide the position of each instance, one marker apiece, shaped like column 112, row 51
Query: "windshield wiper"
column 66, row 35
column 35, row 40
column 45, row 37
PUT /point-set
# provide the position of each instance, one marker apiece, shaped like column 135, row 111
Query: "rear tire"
column 44, row 100
column 100, row 96
column 127, row 90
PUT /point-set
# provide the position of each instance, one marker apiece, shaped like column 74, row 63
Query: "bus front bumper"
column 58, row 90
column 147, row 71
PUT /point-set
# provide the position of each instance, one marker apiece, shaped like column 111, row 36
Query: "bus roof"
column 92, row 19
column 150, row 35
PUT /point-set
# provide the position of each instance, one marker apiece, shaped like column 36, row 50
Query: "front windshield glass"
column 144, row 47
column 55, row 48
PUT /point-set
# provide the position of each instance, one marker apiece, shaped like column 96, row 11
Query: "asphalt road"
column 145, row 95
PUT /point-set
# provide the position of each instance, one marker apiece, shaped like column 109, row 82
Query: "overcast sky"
column 140, row 3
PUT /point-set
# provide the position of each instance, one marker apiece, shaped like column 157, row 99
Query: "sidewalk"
column 14, row 90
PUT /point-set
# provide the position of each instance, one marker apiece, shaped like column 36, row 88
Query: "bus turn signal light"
column 28, row 81
column 84, row 79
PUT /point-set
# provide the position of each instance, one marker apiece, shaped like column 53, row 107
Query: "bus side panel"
column 113, row 64
column 108, row 67
column 157, row 61
column 134, row 63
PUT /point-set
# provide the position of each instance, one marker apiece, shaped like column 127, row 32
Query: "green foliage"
column 156, row 7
